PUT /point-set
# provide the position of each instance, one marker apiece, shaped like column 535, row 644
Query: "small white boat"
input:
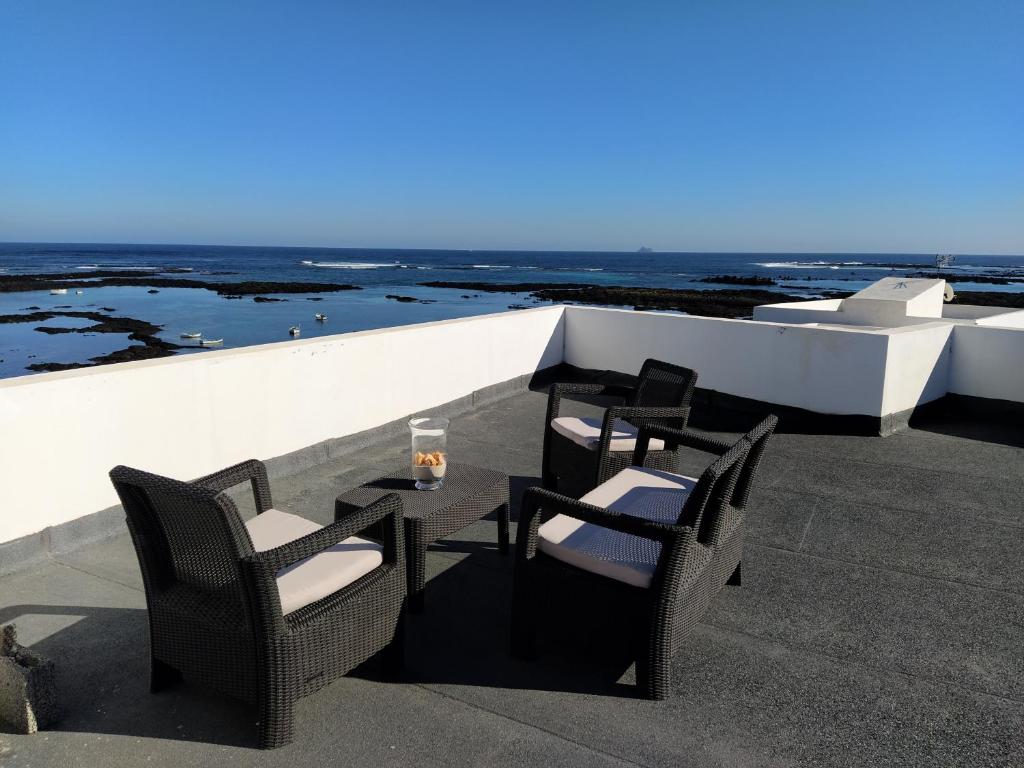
column 58, row 291
column 295, row 330
column 320, row 316
column 192, row 335
column 78, row 292
column 211, row 342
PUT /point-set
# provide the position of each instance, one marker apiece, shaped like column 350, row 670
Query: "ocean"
column 379, row 272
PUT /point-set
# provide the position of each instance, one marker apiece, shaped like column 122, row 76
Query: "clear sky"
column 829, row 125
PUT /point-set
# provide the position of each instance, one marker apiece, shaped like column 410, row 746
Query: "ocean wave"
column 351, row 264
column 490, row 266
column 808, row 264
column 126, row 267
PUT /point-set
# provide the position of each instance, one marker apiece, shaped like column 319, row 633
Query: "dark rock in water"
column 314, row 298
column 262, row 299
column 108, row 309
column 1009, row 278
column 28, row 309
column 737, row 280
column 138, row 330
column 409, row 299
column 152, row 290
column 1013, row 300
column 230, row 296
column 711, row 303
column 102, row 278
column 517, row 306
column 502, row 287
column 63, row 306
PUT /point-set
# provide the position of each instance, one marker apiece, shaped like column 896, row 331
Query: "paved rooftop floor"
column 881, row 622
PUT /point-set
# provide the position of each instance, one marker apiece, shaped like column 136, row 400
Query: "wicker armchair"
column 267, row 610
column 578, row 451
column 656, row 545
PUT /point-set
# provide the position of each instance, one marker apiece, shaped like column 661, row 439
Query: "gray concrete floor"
column 881, row 622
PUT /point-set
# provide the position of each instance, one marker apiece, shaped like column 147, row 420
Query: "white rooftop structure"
column 892, row 299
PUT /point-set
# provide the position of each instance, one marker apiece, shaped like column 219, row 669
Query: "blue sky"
column 754, row 126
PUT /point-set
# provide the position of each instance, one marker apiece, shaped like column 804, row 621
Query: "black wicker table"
column 468, row 494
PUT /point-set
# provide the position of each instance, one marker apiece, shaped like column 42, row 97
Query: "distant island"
column 644, row 249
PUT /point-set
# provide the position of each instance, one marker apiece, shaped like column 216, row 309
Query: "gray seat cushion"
column 587, row 432
column 318, row 576
column 646, row 493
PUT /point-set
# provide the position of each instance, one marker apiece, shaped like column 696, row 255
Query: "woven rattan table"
column 468, row 494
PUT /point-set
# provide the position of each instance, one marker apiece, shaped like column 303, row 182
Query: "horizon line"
column 511, row 250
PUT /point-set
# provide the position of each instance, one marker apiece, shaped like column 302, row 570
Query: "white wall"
column 183, row 417
column 970, row 311
column 816, row 311
column 1004, row 320
column 987, row 362
column 838, row 371
column 917, row 367
column 60, row 433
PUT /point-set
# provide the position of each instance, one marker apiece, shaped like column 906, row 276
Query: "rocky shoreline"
column 711, row 303
column 738, row 303
column 103, row 278
column 150, row 345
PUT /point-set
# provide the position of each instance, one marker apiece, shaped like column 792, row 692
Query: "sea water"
column 380, row 272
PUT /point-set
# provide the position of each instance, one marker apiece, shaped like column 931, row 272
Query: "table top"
column 461, row 482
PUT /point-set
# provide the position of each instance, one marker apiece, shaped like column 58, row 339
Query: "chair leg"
column 161, row 675
column 416, row 566
column 277, row 718
column 653, row 673
column 654, row 661
column 736, row 579
column 503, row 529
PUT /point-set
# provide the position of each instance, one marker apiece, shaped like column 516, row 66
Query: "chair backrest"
column 182, row 532
column 713, row 491
column 758, row 438
column 663, row 385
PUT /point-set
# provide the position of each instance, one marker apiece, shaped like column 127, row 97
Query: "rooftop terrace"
column 881, row 622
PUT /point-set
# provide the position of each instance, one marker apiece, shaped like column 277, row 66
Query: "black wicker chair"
column 268, row 610
column 578, row 451
column 656, row 545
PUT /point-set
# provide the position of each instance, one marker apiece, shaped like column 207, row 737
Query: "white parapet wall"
column 186, row 416
column 987, row 362
column 829, row 370
column 917, row 365
column 61, row 433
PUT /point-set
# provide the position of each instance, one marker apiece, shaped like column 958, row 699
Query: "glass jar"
column 429, row 451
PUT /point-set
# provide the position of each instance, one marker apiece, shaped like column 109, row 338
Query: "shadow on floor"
column 969, row 419
column 102, row 654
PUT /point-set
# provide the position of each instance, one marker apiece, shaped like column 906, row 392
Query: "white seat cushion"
column 315, row 577
column 646, row 493
column 587, row 432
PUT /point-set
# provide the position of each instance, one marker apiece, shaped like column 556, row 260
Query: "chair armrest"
column 260, row 568
column 558, row 391
column 687, row 437
column 313, row 543
column 536, row 499
column 640, row 417
column 251, row 471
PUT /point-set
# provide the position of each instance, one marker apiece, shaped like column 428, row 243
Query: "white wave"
column 820, row 265
column 490, row 266
column 350, row 264
column 592, row 269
